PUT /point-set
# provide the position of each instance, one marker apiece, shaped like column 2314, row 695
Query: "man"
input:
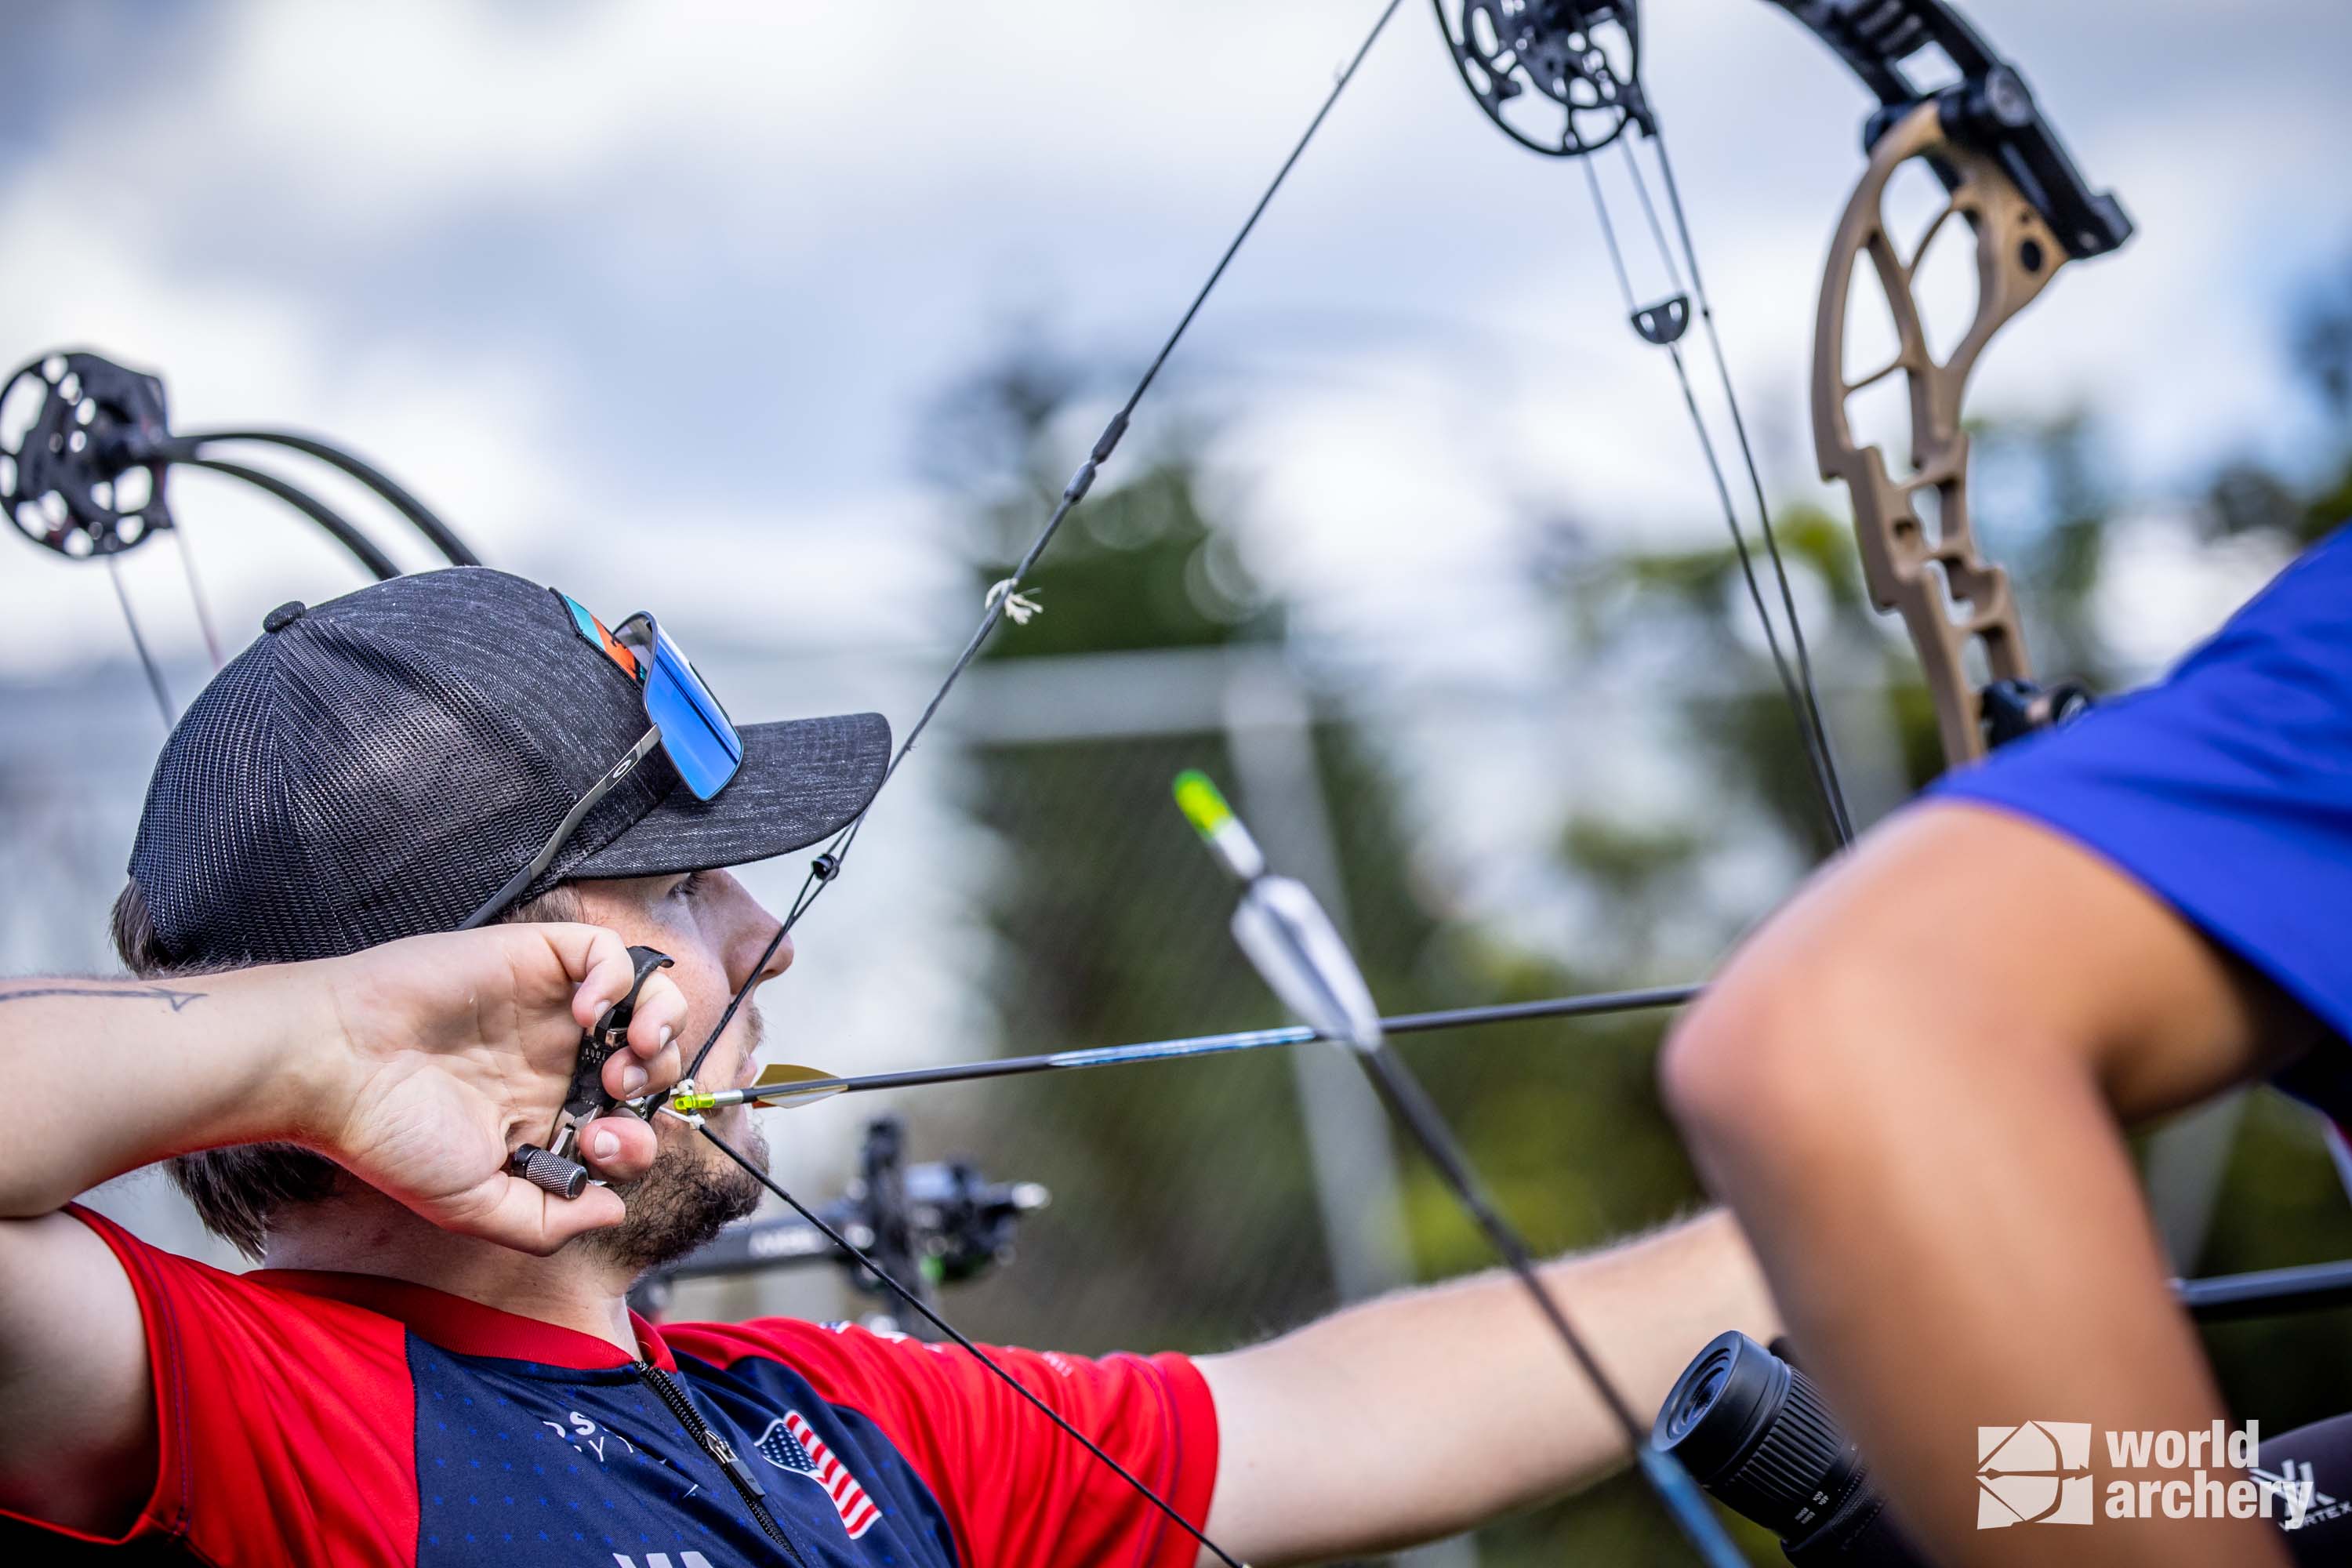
column 436, row 1366
column 1911, row 1082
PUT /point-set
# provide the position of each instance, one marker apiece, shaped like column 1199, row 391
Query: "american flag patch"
column 793, row 1444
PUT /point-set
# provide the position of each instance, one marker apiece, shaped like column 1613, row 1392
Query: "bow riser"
column 1917, row 537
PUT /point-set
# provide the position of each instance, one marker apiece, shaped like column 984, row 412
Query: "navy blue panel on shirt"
column 527, row 1465
column 2225, row 788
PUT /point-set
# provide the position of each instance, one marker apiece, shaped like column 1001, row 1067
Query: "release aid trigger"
column 553, row 1168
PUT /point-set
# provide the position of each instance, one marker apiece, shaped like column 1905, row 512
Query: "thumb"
column 512, row 1212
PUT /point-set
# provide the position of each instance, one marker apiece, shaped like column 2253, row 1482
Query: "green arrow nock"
column 1204, row 807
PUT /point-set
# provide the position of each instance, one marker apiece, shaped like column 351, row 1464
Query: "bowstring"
column 827, row 864
column 1755, row 480
column 930, row 1316
column 196, row 593
column 1798, row 684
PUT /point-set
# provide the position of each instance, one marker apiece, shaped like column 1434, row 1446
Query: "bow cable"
column 1827, row 759
column 139, row 641
column 932, row 1316
column 1664, row 326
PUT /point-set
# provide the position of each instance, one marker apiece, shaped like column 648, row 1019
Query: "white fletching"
column 1300, row 955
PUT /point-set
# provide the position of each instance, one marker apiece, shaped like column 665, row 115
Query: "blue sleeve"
column 2225, row 788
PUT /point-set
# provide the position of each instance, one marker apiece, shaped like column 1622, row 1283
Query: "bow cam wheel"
column 76, row 432
column 1561, row 77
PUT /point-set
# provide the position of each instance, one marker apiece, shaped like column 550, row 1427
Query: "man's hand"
column 452, row 1049
column 416, row 1065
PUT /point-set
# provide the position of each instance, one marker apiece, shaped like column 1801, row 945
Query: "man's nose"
column 753, row 941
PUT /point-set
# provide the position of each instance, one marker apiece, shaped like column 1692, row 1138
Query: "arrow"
column 791, row 1086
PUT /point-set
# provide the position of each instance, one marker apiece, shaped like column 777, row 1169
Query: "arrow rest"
column 1559, row 77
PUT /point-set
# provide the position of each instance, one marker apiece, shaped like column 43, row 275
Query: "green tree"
column 1185, row 1214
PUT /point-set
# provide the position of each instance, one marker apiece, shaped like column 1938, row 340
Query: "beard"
column 681, row 1203
column 691, row 1192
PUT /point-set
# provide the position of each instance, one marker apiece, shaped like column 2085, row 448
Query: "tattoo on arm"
column 178, row 999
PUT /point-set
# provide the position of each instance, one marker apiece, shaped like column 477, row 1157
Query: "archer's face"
column 714, row 932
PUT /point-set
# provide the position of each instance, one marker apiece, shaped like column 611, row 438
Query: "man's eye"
column 687, row 886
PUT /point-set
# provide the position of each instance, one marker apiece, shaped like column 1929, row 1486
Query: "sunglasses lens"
column 697, row 736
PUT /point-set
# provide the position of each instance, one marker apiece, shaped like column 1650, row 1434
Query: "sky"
column 651, row 298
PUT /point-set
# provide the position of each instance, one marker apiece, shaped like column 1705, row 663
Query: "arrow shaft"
column 1594, row 1005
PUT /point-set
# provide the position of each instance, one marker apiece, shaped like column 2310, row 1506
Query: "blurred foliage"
column 1185, row 1212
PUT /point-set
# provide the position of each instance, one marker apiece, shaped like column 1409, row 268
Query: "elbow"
column 1735, row 1069
column 1777, row 1063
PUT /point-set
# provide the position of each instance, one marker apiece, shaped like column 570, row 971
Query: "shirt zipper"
column 754, row 1495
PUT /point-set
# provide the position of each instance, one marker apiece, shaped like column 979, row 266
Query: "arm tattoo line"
column 178, row 999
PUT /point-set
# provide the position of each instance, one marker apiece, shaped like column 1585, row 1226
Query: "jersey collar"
column 469, row 1328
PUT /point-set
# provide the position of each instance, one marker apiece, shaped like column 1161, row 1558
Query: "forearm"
column 1473, row 1380
column 112, row 1075
column 1952, row 1260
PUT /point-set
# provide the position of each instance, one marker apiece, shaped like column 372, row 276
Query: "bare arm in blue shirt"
column 1911, row 1085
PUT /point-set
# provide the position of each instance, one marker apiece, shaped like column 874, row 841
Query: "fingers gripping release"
column 553, row 1168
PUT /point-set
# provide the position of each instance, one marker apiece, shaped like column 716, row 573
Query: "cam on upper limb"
column 452, row 1040
column 1469, row 1379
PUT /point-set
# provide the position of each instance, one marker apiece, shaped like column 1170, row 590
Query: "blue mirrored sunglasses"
column 683, row 717
column 695, row 733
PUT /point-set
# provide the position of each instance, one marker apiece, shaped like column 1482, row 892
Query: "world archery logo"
column 2038, row 1472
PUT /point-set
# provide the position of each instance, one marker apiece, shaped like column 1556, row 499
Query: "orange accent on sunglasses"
column 593, row 631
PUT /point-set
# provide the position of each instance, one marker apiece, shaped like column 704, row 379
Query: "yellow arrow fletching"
column 823, row 1084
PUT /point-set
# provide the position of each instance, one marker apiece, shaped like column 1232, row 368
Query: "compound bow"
column 83, row 460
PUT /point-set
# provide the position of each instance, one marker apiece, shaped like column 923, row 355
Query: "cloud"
column 602, row 279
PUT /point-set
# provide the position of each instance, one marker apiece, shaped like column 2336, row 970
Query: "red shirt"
column 347, row 1419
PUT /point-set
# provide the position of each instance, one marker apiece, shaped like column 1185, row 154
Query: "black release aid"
column 553, row 1168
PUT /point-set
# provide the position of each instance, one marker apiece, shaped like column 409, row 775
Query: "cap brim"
column 801, row 782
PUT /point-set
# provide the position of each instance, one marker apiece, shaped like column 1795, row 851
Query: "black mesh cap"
column 379, row 765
